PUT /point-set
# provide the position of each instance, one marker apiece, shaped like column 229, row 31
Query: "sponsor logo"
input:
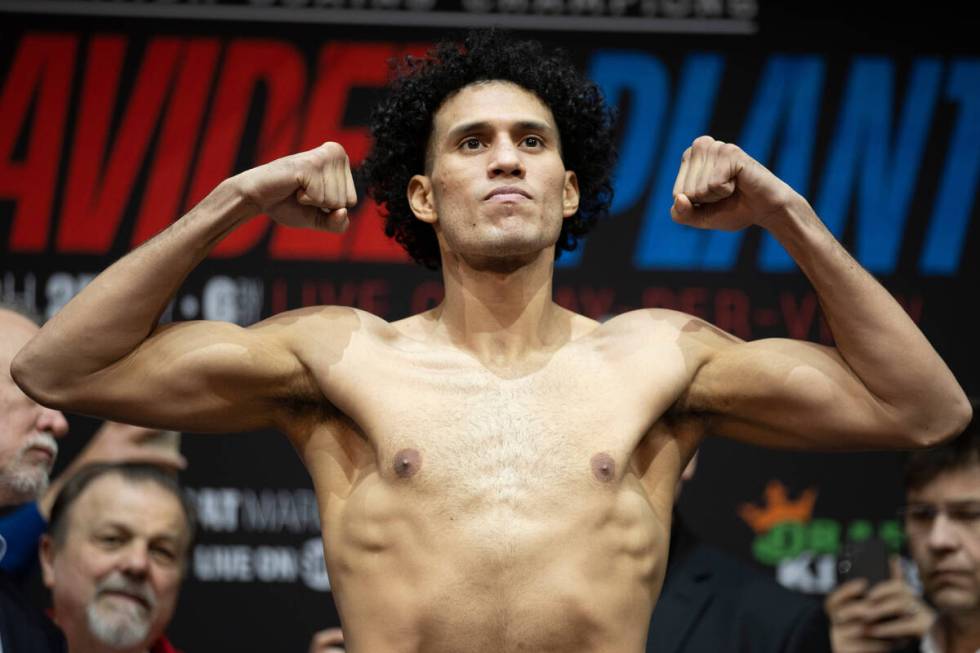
column 803, row 548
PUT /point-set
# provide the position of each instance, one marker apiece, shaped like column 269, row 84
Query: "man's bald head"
column 27, row 429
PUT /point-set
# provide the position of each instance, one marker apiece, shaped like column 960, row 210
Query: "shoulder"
column 667, row 323
column 659, row 331
column 330, row 326
column 23, row 627
column 753, row 589
column 318, row 317
column 741, row 604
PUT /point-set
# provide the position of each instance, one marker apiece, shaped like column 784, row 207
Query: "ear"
column 46, row 551
column 421, row 200
column 570, row 195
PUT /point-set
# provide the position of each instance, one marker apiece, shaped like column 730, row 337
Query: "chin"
column 506, row 250
column 955, row 599
column 24, row 482
column 502, row 263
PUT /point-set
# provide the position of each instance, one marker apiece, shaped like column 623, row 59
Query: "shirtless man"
column 496, row 474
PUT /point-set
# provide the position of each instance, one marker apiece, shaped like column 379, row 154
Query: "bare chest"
column 492, row 440
column 434, row 426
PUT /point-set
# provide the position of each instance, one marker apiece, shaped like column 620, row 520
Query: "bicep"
column 198, row 376
column 789, row 394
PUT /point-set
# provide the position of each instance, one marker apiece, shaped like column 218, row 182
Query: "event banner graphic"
column 107, row 138
column 113, row 125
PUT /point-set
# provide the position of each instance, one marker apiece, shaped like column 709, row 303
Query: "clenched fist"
column 309, row 189
column 719, row 186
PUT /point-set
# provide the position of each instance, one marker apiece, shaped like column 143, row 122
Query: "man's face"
column 943, row 527
column 117, row 574
column 496, row 185
column 27, row 429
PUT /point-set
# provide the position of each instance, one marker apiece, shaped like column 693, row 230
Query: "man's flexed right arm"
column 103, row 353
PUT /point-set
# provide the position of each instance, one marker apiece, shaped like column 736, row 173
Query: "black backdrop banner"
column 116, row 117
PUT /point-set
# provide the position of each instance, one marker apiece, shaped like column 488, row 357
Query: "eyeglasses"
column 921, row 516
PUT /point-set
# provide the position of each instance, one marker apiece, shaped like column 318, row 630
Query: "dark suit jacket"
column 24, row 629
column 712, row 602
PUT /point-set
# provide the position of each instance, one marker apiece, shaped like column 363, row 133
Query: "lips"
column 46, row 452
column 948, row 577
column 135, row 598
column 508, row 193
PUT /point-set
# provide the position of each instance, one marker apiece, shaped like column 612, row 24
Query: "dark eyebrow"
column 119, row 526
column 166, row 538
column 482, row 126
column 956, row 503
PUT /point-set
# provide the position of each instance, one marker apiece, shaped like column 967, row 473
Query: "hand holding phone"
column 867, row 559
column 873, row 606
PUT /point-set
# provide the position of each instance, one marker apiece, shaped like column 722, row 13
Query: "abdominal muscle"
column 573, row 567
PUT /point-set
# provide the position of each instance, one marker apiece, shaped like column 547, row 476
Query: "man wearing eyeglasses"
column 942, row 523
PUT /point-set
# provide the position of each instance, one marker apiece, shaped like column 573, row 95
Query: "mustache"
column 119, row 583
column 42, row 440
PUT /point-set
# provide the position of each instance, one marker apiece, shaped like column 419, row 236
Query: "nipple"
column 603, row 467
column 407, row 463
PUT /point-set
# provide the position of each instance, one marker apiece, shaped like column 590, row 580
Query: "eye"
column 533, row 141
column 965, row 514
column 471, row 143
column 920, row 514
column 163, row 554
column 109, row 540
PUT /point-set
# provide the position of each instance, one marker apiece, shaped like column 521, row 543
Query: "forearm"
column 111, row 316
column 873, row 334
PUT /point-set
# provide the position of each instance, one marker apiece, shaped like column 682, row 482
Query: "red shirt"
column 163, row 646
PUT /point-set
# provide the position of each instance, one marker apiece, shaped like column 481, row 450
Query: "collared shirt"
column 162, row 646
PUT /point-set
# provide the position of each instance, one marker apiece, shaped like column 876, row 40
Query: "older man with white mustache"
column 27, row 452
column 26, row 473
column 27, row 429
column 115, row 557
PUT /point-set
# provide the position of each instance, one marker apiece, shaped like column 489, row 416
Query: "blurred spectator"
column 713, row 601
column 942, row 524
column 28, row 448
column 115, row 557
column 27, row 452
column 113, row 442
column 27, row 429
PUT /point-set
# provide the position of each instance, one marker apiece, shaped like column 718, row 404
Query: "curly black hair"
column 402, row 123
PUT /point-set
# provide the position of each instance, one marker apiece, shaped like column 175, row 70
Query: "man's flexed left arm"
column 883, row 386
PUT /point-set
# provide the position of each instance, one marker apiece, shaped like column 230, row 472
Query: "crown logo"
column 778, row 508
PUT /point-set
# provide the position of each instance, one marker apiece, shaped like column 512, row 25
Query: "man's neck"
column 502, row 311
column 960, row 633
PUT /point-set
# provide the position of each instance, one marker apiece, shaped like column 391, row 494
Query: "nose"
column 505, row 159
column 52, row 421
column 943, row 535
column 136, row 560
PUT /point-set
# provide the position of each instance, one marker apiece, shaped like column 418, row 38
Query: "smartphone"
column 866, row 559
